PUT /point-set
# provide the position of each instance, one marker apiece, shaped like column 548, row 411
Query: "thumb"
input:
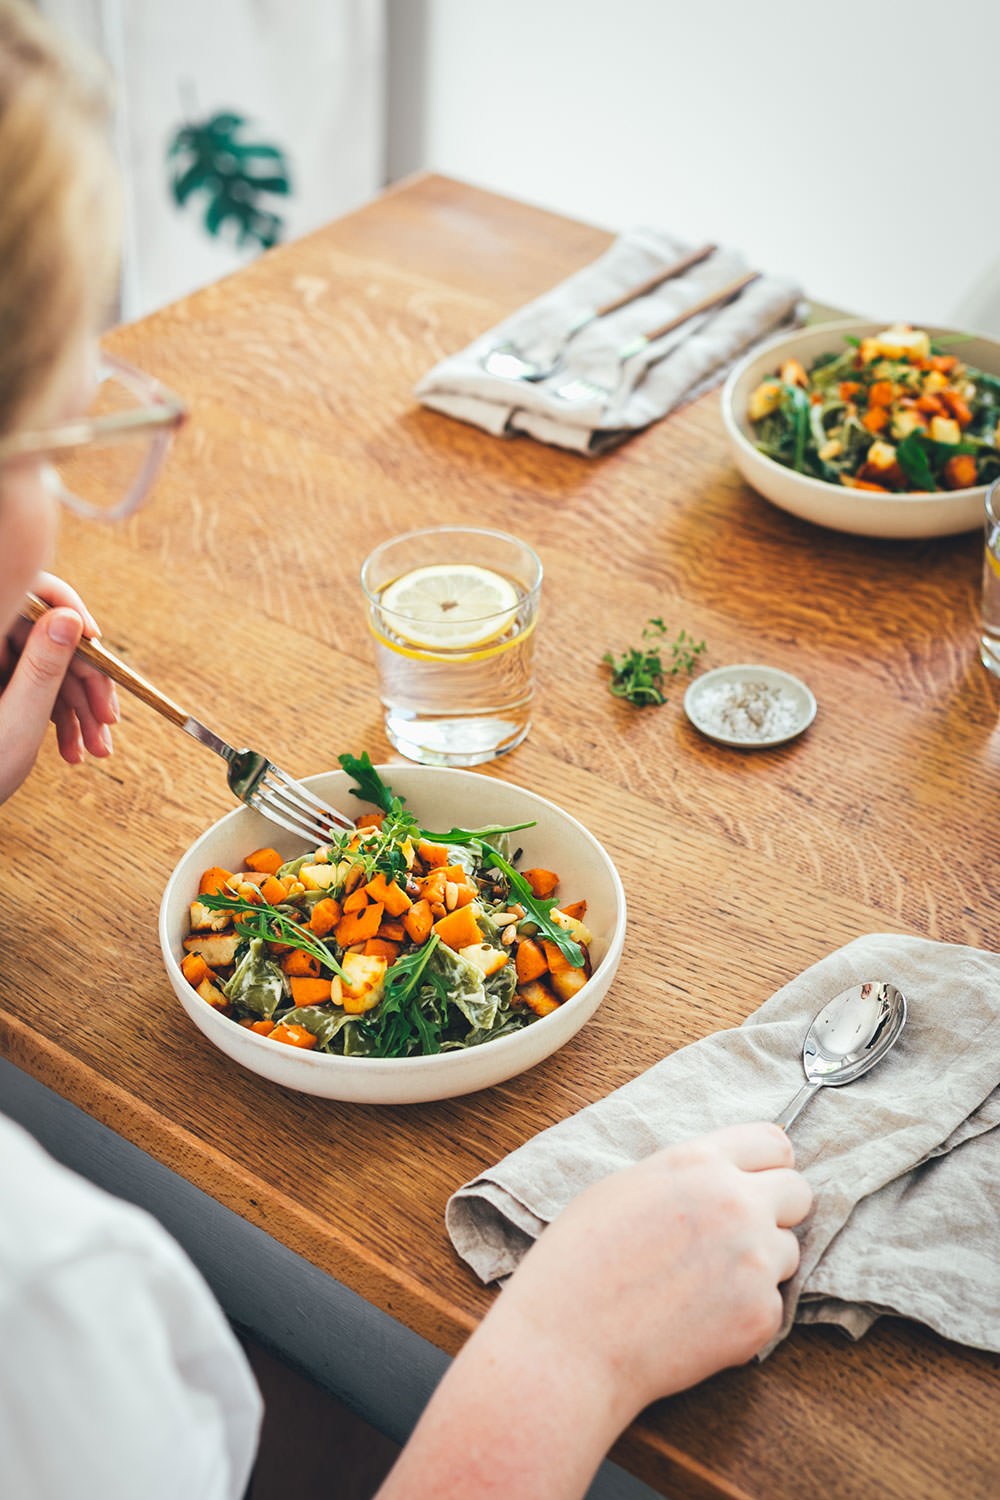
column 29, row 697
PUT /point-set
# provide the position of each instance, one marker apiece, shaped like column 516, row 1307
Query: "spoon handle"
column 795, row 1106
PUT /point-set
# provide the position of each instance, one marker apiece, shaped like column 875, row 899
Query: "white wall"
column 854, row 143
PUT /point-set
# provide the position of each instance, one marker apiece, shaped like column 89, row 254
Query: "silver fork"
column 252, row 778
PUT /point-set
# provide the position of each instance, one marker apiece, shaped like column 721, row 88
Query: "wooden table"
column 237, row 592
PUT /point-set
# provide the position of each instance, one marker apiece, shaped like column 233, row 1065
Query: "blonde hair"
column 59, row 211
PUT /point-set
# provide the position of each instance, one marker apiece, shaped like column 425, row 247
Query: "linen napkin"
column 904, row 1163
column 637, row 391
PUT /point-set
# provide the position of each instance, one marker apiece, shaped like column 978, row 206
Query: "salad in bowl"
column 422, row 954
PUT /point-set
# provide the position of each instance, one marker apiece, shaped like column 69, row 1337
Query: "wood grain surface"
column 237, row 593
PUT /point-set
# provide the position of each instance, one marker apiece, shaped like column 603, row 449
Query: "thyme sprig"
column 639, row 674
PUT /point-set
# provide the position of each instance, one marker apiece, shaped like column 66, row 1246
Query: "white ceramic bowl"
column 441, row 799
column 861, row 511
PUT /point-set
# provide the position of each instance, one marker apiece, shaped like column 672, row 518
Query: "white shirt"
column 120, row 1378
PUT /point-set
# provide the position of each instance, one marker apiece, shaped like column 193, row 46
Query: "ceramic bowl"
column 441, row 799
column 863, row 512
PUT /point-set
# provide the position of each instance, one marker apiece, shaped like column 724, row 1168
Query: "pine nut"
column 508, row 935
column 450, row 894
column 502, row 918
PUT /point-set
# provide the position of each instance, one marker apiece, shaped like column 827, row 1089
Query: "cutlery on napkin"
column 627, row 381
column 904, row 1163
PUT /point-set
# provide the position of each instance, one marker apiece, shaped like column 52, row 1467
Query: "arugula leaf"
column 395, row 1023
column 539, row 907
column 274, row 926
column 370, row 786
column 640, row 673
column 911, row 455
column 471, row 836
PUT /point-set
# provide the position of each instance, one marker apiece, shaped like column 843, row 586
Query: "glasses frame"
column 155, row 420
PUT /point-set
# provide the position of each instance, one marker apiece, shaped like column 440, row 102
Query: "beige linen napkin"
column 904, row 1163
column 639, row 390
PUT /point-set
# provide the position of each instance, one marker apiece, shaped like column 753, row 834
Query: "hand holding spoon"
column 849, row 1036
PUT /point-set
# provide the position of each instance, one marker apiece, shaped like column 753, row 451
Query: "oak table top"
column 237, row 592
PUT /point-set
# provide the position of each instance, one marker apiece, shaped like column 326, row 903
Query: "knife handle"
column 667, row 273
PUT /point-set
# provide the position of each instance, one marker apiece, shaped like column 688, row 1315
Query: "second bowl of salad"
column 464, row 933
column 885, row 430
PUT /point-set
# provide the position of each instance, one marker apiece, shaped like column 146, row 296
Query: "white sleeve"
column 120, row 1379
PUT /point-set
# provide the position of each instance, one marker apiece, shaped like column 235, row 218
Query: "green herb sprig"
column 639, row 674
column 372, row 788
column 274, row 926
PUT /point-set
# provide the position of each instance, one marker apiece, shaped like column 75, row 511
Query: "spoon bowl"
column 851, row 1034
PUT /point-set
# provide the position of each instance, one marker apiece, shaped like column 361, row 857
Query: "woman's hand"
column 40, row 680
column 648, row 1282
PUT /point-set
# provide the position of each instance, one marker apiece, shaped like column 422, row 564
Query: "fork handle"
column 667, row 273
column 99, row 656
column 724, row 294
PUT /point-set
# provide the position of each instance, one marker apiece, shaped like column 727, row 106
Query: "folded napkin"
column 904, row 1163
column 639, row 390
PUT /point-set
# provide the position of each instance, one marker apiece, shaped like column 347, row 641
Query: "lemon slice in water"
column 450, row 606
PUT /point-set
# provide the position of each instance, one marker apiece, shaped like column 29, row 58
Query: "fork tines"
column 294, row 807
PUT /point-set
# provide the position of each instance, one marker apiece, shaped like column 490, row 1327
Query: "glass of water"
column 452, row 611
column 989, row 632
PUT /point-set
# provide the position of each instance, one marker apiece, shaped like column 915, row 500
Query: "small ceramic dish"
column 714, row 704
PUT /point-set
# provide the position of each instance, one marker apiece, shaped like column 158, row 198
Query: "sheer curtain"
column 276, row 112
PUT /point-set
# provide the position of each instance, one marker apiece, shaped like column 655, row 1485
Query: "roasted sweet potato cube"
column 301, row 964
column 359, row 926
column 325, row 916
column 459, row 928
column 214, row 881
column 418, row 922
column 194, row 968
column 273, row 891
column 542, row 882
column 356, row 901
column 294, row 1036
column 577, row 909
column 309, row 990
column 539, row 997
column 392, row 896
column 433, row 855
column 392, row 931
column 529, row 961
column 268, row 860
column 380, row 947
column 370, row 820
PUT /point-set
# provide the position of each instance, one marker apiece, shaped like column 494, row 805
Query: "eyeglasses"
column 131, row 421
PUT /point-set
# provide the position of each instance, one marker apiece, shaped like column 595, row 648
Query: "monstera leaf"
column 233, row 175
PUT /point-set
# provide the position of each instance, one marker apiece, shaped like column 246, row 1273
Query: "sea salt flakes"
column 748, row 711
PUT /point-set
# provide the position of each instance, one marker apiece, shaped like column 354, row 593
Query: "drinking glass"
column 452, row 611
column 989, row 631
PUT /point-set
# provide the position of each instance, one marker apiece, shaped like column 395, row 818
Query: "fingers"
column 788, row 1193
column 755, row 1147
column 788, row 1254
column 77, row 696
column 59, row 594
column 28, row 700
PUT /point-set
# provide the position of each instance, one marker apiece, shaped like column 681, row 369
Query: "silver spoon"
column 849, row 1036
